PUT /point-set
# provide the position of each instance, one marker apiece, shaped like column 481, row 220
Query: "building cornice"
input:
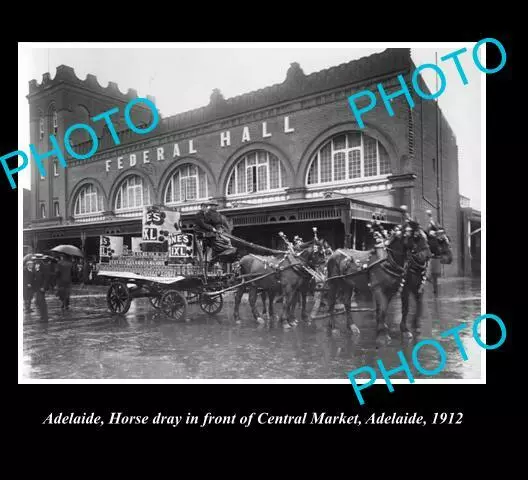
column 264, row 114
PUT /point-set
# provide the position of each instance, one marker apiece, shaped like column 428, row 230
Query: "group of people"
column 45, row 273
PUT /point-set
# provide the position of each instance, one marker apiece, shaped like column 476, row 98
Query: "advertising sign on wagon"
column 181, row 245
column 136, row 244
column 159, row 222
column 110, row 247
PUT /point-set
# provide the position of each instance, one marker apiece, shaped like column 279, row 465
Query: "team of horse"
column 400, row 266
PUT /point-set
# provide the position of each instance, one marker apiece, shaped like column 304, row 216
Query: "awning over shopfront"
column 342, row 209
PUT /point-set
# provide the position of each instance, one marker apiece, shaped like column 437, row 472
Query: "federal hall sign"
column 172, row 151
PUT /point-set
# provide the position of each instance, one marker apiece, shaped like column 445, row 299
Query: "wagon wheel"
column 118, row 297
column 211, row 304
column 173, row 304
column 155, row 301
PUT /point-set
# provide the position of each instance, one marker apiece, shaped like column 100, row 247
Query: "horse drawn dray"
column 170, row 283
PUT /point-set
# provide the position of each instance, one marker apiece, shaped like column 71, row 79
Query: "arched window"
column 53, row 120
column 89, row 200
column 188, row 182
column 257, row 171
column 346, row 157
column 133, row 193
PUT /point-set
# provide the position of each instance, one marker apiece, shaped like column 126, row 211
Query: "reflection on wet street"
column 88, row 342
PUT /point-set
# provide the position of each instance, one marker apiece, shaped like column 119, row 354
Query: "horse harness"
column 301, row 267
column 416, row 268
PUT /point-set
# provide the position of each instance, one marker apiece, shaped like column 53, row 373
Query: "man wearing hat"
column 64, row 281
column 42, row 275
column 213, row 224
column 28, row 284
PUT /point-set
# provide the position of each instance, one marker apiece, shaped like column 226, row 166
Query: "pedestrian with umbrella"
column 64, row 272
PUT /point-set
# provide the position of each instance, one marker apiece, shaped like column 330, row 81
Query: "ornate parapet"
column 66, row 74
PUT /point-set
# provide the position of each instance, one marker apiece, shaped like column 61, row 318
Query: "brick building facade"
column 286, row 157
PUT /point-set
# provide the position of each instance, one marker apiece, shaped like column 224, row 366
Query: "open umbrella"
column 68, row 250
column 38, row 256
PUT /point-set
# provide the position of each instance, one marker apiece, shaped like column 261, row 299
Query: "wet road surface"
column 88, row 342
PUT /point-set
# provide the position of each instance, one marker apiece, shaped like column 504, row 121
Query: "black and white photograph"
column 250, row 212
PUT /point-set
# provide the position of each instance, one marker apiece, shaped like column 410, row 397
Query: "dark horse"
column 287, row 276
column 416, row 275
column 309, row 286
column 361, row 270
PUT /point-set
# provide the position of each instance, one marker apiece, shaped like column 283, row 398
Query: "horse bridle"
column 395, row 269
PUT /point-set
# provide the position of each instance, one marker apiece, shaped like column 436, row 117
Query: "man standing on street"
column 28, row 285
column 64, row 281
column 42, row 275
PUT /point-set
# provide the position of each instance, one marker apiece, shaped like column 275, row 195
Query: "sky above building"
column 182, row 78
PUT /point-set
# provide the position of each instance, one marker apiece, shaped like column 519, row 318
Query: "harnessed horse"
column 353, row 269
column 287, row 273
column 417, row 274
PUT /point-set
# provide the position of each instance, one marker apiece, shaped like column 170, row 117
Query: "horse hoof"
column 407, row 334
column 260, row 320
column 353, row 329
column 237, row 321
column 335, row 331
column 275, row 318
column 286, row 325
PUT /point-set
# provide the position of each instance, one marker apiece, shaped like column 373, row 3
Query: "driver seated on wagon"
column 212, row 225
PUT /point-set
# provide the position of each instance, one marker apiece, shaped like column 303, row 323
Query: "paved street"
column 88, row 342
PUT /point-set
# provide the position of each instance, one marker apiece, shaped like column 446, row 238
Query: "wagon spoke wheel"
column 155, row 301
column 118, row 298
column 173, row 304
column 211, row 304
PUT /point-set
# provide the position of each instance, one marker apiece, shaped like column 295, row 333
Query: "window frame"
column 82, row 196
column 42, row 210
column 56, row 208
column 144, row 188
column 254, row 168
column 316, row 157
column 183, row 182
column 55, row 122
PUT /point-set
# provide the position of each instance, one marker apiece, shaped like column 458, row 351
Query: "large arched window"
column 89, row 200
column 188, row 182
column 133, row 193
column 257, row 171
column 347, row 157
